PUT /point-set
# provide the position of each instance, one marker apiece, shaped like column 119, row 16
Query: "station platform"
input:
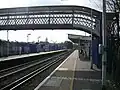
column 72, row 74
column 26, row 55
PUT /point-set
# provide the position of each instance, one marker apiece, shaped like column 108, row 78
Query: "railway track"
column 17, row 67
column 15, row 79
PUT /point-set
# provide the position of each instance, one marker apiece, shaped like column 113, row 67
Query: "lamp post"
column 38, row 38
column 28, row 37
column 27, row 42
column 7, row 42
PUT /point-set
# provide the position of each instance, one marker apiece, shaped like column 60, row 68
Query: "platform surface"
column 73, row 74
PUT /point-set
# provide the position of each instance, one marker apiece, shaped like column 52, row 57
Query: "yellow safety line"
column 71, row 84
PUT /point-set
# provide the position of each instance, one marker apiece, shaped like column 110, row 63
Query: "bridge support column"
column 91, row 59
column 79, row 48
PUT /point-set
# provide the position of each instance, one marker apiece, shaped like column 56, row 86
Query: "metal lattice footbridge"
column 51, row 17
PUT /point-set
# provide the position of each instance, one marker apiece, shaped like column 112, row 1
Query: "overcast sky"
column 52, row 35
column 96, row 4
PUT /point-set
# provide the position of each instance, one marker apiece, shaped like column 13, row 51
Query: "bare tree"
column 113, row 6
